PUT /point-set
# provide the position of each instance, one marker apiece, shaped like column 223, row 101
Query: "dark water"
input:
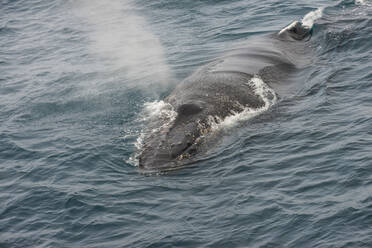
column 74, row 77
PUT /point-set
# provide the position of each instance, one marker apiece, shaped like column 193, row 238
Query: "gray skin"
column 217, row 90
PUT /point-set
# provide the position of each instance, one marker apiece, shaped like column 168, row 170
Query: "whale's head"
column 295, row 31
column 169, row 148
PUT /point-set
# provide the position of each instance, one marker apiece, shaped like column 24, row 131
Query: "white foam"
column 263, row 91
column 122, row 38
column 363, row 2
column 159, row 110
column 157, row 115
column 311, row 17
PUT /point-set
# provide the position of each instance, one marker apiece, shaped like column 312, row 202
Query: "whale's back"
column 218, row 94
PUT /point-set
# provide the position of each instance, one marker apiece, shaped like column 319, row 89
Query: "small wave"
column 5, row 29
column 262, row 90
column 309, row 19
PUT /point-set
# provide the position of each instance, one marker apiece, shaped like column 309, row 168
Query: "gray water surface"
column 74, row 78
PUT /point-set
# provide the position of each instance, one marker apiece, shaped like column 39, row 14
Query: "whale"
column 248, row 77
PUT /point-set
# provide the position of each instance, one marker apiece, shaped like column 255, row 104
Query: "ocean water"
column 77, row 76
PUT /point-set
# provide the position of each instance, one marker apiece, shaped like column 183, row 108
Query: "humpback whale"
column 244, row 78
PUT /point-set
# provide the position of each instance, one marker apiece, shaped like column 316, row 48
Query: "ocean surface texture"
column 80, row 78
